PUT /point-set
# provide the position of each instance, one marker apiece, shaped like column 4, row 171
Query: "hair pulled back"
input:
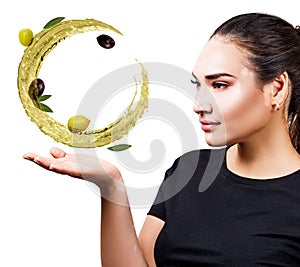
column 272, row 47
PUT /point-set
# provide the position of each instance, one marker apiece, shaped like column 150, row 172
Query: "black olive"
column 39, row 85
column 105, row 41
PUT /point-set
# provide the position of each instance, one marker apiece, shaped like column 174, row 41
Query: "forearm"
column 119, row 242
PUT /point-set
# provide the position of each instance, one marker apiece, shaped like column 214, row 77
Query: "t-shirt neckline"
column 254, row 181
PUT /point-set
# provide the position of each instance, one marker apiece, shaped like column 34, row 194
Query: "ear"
column 278, row 91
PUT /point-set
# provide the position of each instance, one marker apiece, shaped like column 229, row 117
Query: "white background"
column 53, row 220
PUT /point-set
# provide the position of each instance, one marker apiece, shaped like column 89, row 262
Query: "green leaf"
column 119, row 147
column 45, row 108
column 53, row 22
column 44, row 97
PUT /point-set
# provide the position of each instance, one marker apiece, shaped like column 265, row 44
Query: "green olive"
column 78, row 123
column 25, row 37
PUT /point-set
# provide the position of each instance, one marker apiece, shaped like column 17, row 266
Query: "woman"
column 249, row 215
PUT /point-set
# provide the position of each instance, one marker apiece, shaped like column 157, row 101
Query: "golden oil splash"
column 34, row 55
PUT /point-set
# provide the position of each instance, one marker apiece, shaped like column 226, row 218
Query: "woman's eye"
column 219, row 85
column 196, row 82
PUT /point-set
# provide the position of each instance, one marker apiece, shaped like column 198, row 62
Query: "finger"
column 61, row 168
column 57, row 152
column 43, row 162
column 30, row 156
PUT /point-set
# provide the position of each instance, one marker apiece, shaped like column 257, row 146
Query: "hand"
column 92, row 169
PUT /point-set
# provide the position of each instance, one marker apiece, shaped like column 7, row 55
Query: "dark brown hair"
column 272, row 46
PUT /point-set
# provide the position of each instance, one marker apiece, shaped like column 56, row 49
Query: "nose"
column 202, row 104
column 202, row 109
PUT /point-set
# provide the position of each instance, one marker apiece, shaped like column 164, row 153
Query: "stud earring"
column 277, row 106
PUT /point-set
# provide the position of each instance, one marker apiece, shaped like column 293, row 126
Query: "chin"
column 217, row 141
column 213, row 140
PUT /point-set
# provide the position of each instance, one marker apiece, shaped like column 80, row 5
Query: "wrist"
column 115, row 192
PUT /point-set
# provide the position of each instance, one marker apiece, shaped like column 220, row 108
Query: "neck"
column 264, row 156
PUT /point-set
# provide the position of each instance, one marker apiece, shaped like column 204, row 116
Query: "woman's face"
column 230, row 104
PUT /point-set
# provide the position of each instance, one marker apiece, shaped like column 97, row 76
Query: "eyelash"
column 196, row 82
column 215, row 85
column 219, row 85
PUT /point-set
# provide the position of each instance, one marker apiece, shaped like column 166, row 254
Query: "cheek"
column 243, row 113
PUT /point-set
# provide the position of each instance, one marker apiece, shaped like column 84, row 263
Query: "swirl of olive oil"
column 34, row 55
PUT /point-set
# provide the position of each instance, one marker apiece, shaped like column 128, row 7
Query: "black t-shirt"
column 236, row 221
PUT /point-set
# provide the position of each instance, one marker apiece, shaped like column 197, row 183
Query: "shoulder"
column 188, row 171
column 199, row 156
column 203, row 154
column 194, row 160
column 200, row 166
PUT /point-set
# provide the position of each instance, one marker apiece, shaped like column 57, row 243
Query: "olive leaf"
column 44, row 97
column 33, row 94
column 119, row 147
column 45, row 108
column 53, row 22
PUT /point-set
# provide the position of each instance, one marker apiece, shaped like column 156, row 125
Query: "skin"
column 115, row 236
column 244, row 114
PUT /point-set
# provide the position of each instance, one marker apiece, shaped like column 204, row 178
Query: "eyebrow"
column 214, row 76
column 217, row 75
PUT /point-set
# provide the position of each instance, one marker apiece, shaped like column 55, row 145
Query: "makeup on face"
column 203, row 106
column 229, row 104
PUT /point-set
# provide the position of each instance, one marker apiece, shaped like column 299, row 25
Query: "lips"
column 208, row 126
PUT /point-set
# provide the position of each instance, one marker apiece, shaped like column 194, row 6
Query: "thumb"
column 57, row 152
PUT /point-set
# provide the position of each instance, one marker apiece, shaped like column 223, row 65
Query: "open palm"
column 79, row 166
